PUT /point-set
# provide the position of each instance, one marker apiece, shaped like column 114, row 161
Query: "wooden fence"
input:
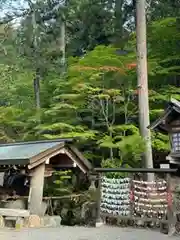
column 126, row 198
column 133, row 199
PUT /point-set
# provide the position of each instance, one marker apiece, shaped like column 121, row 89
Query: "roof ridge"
column 69, row 140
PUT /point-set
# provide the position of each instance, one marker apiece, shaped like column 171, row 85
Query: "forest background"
column 68, row 70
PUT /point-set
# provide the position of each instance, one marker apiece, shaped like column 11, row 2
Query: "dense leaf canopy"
column 93, row 97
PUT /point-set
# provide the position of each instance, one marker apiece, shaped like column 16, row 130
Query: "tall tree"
column 37, row 32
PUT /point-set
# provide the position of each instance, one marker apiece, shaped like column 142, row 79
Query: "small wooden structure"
column 116, row 193
column 169, row 123
column 39, row 159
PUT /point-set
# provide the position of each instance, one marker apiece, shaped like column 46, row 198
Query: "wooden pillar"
column 36, row 190
column 170, row 213
column 98, row 199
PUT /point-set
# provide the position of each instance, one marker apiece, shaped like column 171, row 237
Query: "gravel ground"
column 81, row 233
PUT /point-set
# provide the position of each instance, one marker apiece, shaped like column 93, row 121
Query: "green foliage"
column 164, row 33
column 15, row 91
column 59, row 184
column 127, row 141
column 95, row 100
column 108, row 163
column 159, row 9
column 160, row 142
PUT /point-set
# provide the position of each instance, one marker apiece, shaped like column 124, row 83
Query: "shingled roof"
column 34, row 153
column 171, row 112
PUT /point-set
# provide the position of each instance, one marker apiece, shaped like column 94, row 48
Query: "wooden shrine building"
column 169, row 123
column 39, row 159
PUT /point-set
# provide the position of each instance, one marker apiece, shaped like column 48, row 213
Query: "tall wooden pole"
column 143, row 83
column 37, row 77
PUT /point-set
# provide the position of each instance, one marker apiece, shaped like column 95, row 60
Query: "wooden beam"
column 42, row 157
column 47, row 173
column 60, row 197
column 76, row 160
column 81, row 157
column 8, row 212
column 133, row 170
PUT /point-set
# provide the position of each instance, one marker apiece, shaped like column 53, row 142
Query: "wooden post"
column 36, row 190
column 143, row 83
column 131, row 197
column 170, row 214
column 98, row 216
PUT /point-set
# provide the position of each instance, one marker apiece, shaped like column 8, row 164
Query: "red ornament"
column 131, row 65
column 131, row 195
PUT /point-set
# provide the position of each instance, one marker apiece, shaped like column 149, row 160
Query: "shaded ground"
column 81, row 233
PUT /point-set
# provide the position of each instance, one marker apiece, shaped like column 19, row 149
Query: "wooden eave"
column 80, row 156
column 65, row 147
column 174, row 107
column 79, row 159
column 43, row 156
column 159, row 122
column 12, row 162
column 73, row 153
column 174, row 154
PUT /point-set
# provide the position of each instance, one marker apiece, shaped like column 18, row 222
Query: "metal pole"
column 143, row 83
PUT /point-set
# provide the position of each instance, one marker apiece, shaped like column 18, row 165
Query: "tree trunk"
column 36, row 81
column 37, row 89
column 134, row 7
column 62, row 43
column 118, row 26
column 62, row 40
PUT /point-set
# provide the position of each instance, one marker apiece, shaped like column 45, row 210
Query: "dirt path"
column 81, row 233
